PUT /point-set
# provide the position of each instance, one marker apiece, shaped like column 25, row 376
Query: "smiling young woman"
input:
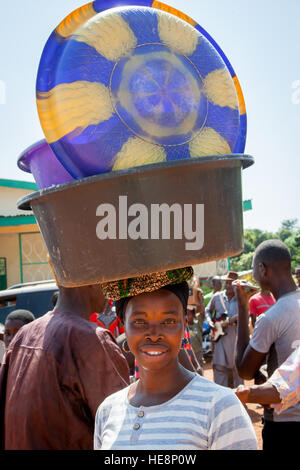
column 169, row 407
column 154, row 325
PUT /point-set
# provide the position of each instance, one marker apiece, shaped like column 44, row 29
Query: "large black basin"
column 71, row 219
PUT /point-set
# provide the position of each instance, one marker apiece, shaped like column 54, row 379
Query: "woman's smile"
column 154, row 325
column 154, row 350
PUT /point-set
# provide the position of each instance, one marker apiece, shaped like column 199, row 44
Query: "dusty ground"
column 255, row 411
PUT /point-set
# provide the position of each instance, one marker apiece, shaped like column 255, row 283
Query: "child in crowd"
column 14, row 321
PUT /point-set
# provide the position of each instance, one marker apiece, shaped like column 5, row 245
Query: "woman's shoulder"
column 118, row 398
column 213, row 392
column 201, row 382
column 212, row 399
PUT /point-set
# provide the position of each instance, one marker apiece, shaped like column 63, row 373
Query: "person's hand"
column 242, row 295
column 225, row 323
column 260, row 377
column 267, row 407
column 242, row 393
column 233, row 320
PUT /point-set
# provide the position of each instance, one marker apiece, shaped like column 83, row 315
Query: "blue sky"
column 261, row 38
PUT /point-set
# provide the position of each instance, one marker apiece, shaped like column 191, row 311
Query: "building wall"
column 9, row 249
column 33, row 264
column 9, row 198
column 211, row 269
column 21, row 243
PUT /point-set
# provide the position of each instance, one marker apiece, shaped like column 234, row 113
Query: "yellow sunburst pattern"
column 136, row 85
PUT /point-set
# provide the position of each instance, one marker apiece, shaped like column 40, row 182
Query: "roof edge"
column 7, row 183
column 10, row 220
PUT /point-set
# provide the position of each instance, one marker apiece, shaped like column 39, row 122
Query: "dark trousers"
column 281, row 435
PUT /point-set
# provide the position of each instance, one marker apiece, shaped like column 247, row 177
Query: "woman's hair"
column 24, row 316
column 181, row 290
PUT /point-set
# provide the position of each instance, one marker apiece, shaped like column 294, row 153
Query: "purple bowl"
column 41, row 162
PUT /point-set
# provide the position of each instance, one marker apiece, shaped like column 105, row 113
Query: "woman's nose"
column 154, row 332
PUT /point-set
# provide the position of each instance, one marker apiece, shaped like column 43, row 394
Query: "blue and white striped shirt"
column 202, row 416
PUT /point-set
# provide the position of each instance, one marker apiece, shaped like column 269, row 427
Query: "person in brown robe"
column 58, row 369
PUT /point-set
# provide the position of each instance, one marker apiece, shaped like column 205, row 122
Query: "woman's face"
column 154, row 326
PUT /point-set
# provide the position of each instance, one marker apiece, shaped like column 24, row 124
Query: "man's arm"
column 253, row 319
column 201, row 304
column 265, row 394
column 247, row 360
column 101, row 366
column 209, row 311
column 282, row 387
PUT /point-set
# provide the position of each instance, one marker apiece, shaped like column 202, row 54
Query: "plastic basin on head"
column 40, row 161
column 72, row 220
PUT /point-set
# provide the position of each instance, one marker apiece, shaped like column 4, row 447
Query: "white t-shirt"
column 277, row 333
column 202, row 416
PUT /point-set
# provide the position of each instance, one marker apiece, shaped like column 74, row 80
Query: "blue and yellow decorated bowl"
column 135, row 85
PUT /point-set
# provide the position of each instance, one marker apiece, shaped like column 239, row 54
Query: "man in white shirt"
column 275, row 336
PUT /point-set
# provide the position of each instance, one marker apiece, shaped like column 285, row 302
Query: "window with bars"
column 34, row 265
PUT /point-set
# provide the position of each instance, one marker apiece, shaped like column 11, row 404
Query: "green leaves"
column 288, row 232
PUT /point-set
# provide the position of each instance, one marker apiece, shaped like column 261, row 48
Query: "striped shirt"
column 202, row 416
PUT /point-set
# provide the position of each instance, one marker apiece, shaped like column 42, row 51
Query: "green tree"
column 290, row 224
column 288, row 232
column 242, row 262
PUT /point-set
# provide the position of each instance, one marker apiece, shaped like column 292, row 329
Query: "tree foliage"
column 288, row 232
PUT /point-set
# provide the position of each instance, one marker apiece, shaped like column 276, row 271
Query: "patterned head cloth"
column 122, row 291
column 117, row 290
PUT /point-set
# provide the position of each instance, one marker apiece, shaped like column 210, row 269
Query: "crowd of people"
column 120, row 365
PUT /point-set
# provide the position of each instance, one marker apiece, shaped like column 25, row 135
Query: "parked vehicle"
column 35, row 296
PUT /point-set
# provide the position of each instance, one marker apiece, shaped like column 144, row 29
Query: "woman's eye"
column 169, row 321
column 139, row 322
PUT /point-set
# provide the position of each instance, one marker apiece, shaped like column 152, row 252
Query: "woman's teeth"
column 154, row 353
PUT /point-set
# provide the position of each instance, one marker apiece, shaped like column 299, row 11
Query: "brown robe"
column 57, row 371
